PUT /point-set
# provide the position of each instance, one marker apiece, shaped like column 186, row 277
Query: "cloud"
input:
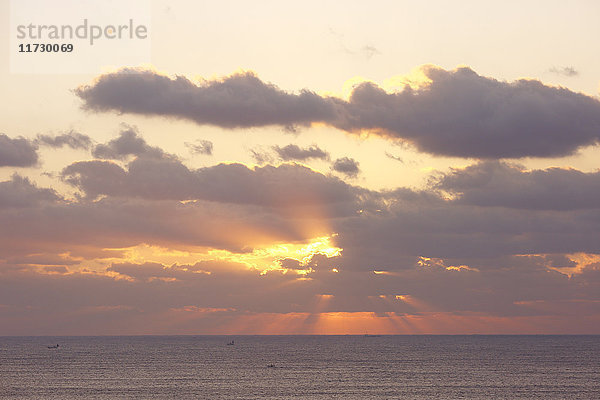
column 346, row 166
column 491, row 239
column 237, row 101
column 99, row 228
column 285, row 186
column 157, row 292
column 393, row 157
column 18, row 152
column 375, row 228
column 261, row 156
column 296, row 153
column 508, row 185
column 290, row 152
column 369, row 51
column 432, row 255
column 95, row 177
column 486, row 217
column 566, row 71
column 441, row 229
column 460, row 113
column 200, row 147
column 291, row 129
column 72, row 139
column 20, row 192
column 127, row 144
column 453, row 113
column 151, row 270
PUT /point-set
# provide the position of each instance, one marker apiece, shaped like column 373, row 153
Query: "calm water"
column 306, row 367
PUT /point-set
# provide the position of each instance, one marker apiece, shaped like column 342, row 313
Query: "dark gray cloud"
column 129, row 143
column 507, row 185
column 20, row 192
column 346, row 166
column 96, row 177
column 296, row 153
column 72, row 139
column 381, row 238
column 464, row 114
column 566, row 71
column 458, row 113
column 240, row 100
column 405, row 223
column 285, row 186
column 19, row 152
column 200, row 147
column 88, row 228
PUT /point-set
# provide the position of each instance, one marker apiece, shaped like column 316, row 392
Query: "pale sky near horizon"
column 433, row 233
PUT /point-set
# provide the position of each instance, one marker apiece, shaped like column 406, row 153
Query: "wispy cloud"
column 200, row 147
column 72, row 139
column 565, row 71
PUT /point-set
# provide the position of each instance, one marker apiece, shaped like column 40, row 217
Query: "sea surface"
column 301, row 367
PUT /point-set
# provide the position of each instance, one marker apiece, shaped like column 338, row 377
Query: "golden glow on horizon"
column 202, row 310
column 320, row 245
column 269, row 258
column 359, row 323
column 263, row 259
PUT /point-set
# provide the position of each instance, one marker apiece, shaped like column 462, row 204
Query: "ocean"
column 301, row 367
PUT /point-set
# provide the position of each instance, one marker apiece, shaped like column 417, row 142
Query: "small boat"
column 53, row 347
column 230, row 343
column 271, row 366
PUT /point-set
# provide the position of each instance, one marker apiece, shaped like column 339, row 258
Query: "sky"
column 315, row 167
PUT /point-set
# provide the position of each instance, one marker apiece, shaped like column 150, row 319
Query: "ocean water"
column 303, row 367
